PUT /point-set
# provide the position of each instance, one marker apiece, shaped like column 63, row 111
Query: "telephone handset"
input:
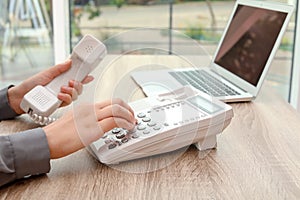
column 166, row 122
column 42, row 101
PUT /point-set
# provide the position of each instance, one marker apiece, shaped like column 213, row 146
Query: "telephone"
column 166, row 122
column 42, row 101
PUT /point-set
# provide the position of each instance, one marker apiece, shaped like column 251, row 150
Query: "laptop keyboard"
column 204, row 82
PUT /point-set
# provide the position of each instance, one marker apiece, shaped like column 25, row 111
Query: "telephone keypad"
column 145, row 126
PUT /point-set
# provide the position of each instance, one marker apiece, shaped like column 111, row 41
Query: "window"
column 27, row 47
column 203, row 21
column 26, row 39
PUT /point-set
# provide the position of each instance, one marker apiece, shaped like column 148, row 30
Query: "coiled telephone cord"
column 40, row 119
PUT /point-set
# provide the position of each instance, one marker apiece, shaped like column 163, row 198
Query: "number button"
column 124, row 140
column 151, row 124
column 146, row 119
column 120, row 135
column 116, row 130
column 141, row 115
column 141, row 127
column 111, row 146
column 135, row 136
column 107, row 141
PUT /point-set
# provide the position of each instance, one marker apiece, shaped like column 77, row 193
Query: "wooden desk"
column 257, row 157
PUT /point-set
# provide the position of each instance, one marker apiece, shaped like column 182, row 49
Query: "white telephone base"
column 167, row 122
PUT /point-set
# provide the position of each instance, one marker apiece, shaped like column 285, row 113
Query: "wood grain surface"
column 257, row 157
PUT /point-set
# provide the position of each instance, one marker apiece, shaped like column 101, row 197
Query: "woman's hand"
column 68, row 92
column 86, row 124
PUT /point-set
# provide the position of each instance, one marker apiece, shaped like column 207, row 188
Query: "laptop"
column 241, row 61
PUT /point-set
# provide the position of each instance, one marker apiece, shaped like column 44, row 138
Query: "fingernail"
column 65, row 88
column 60, row 95
column 131, row 126
column 67, row 61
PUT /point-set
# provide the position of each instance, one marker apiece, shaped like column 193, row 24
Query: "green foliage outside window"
column 199, row 33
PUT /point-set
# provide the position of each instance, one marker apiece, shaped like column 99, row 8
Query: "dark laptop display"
column 249, row 41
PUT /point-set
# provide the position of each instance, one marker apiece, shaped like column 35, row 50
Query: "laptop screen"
column 249, row 41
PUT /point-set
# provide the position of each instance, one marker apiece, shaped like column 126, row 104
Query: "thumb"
column 45, row 76
column 58, row 69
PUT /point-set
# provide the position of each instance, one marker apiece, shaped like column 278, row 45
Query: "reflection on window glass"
column 203, row 21
column 25, row 39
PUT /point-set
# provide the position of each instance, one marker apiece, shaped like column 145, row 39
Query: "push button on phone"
column 141, row 115
column 104, row 136
column 107, row 141
column 135, row 136
column 113, row 145
column 141, row 127
column 124, row 140
column 116, row 130
column 120, row 135
column 146, row 119
column 151, row 124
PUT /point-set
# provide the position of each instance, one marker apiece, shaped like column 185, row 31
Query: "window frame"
column 61, row 30
column 295, row 75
